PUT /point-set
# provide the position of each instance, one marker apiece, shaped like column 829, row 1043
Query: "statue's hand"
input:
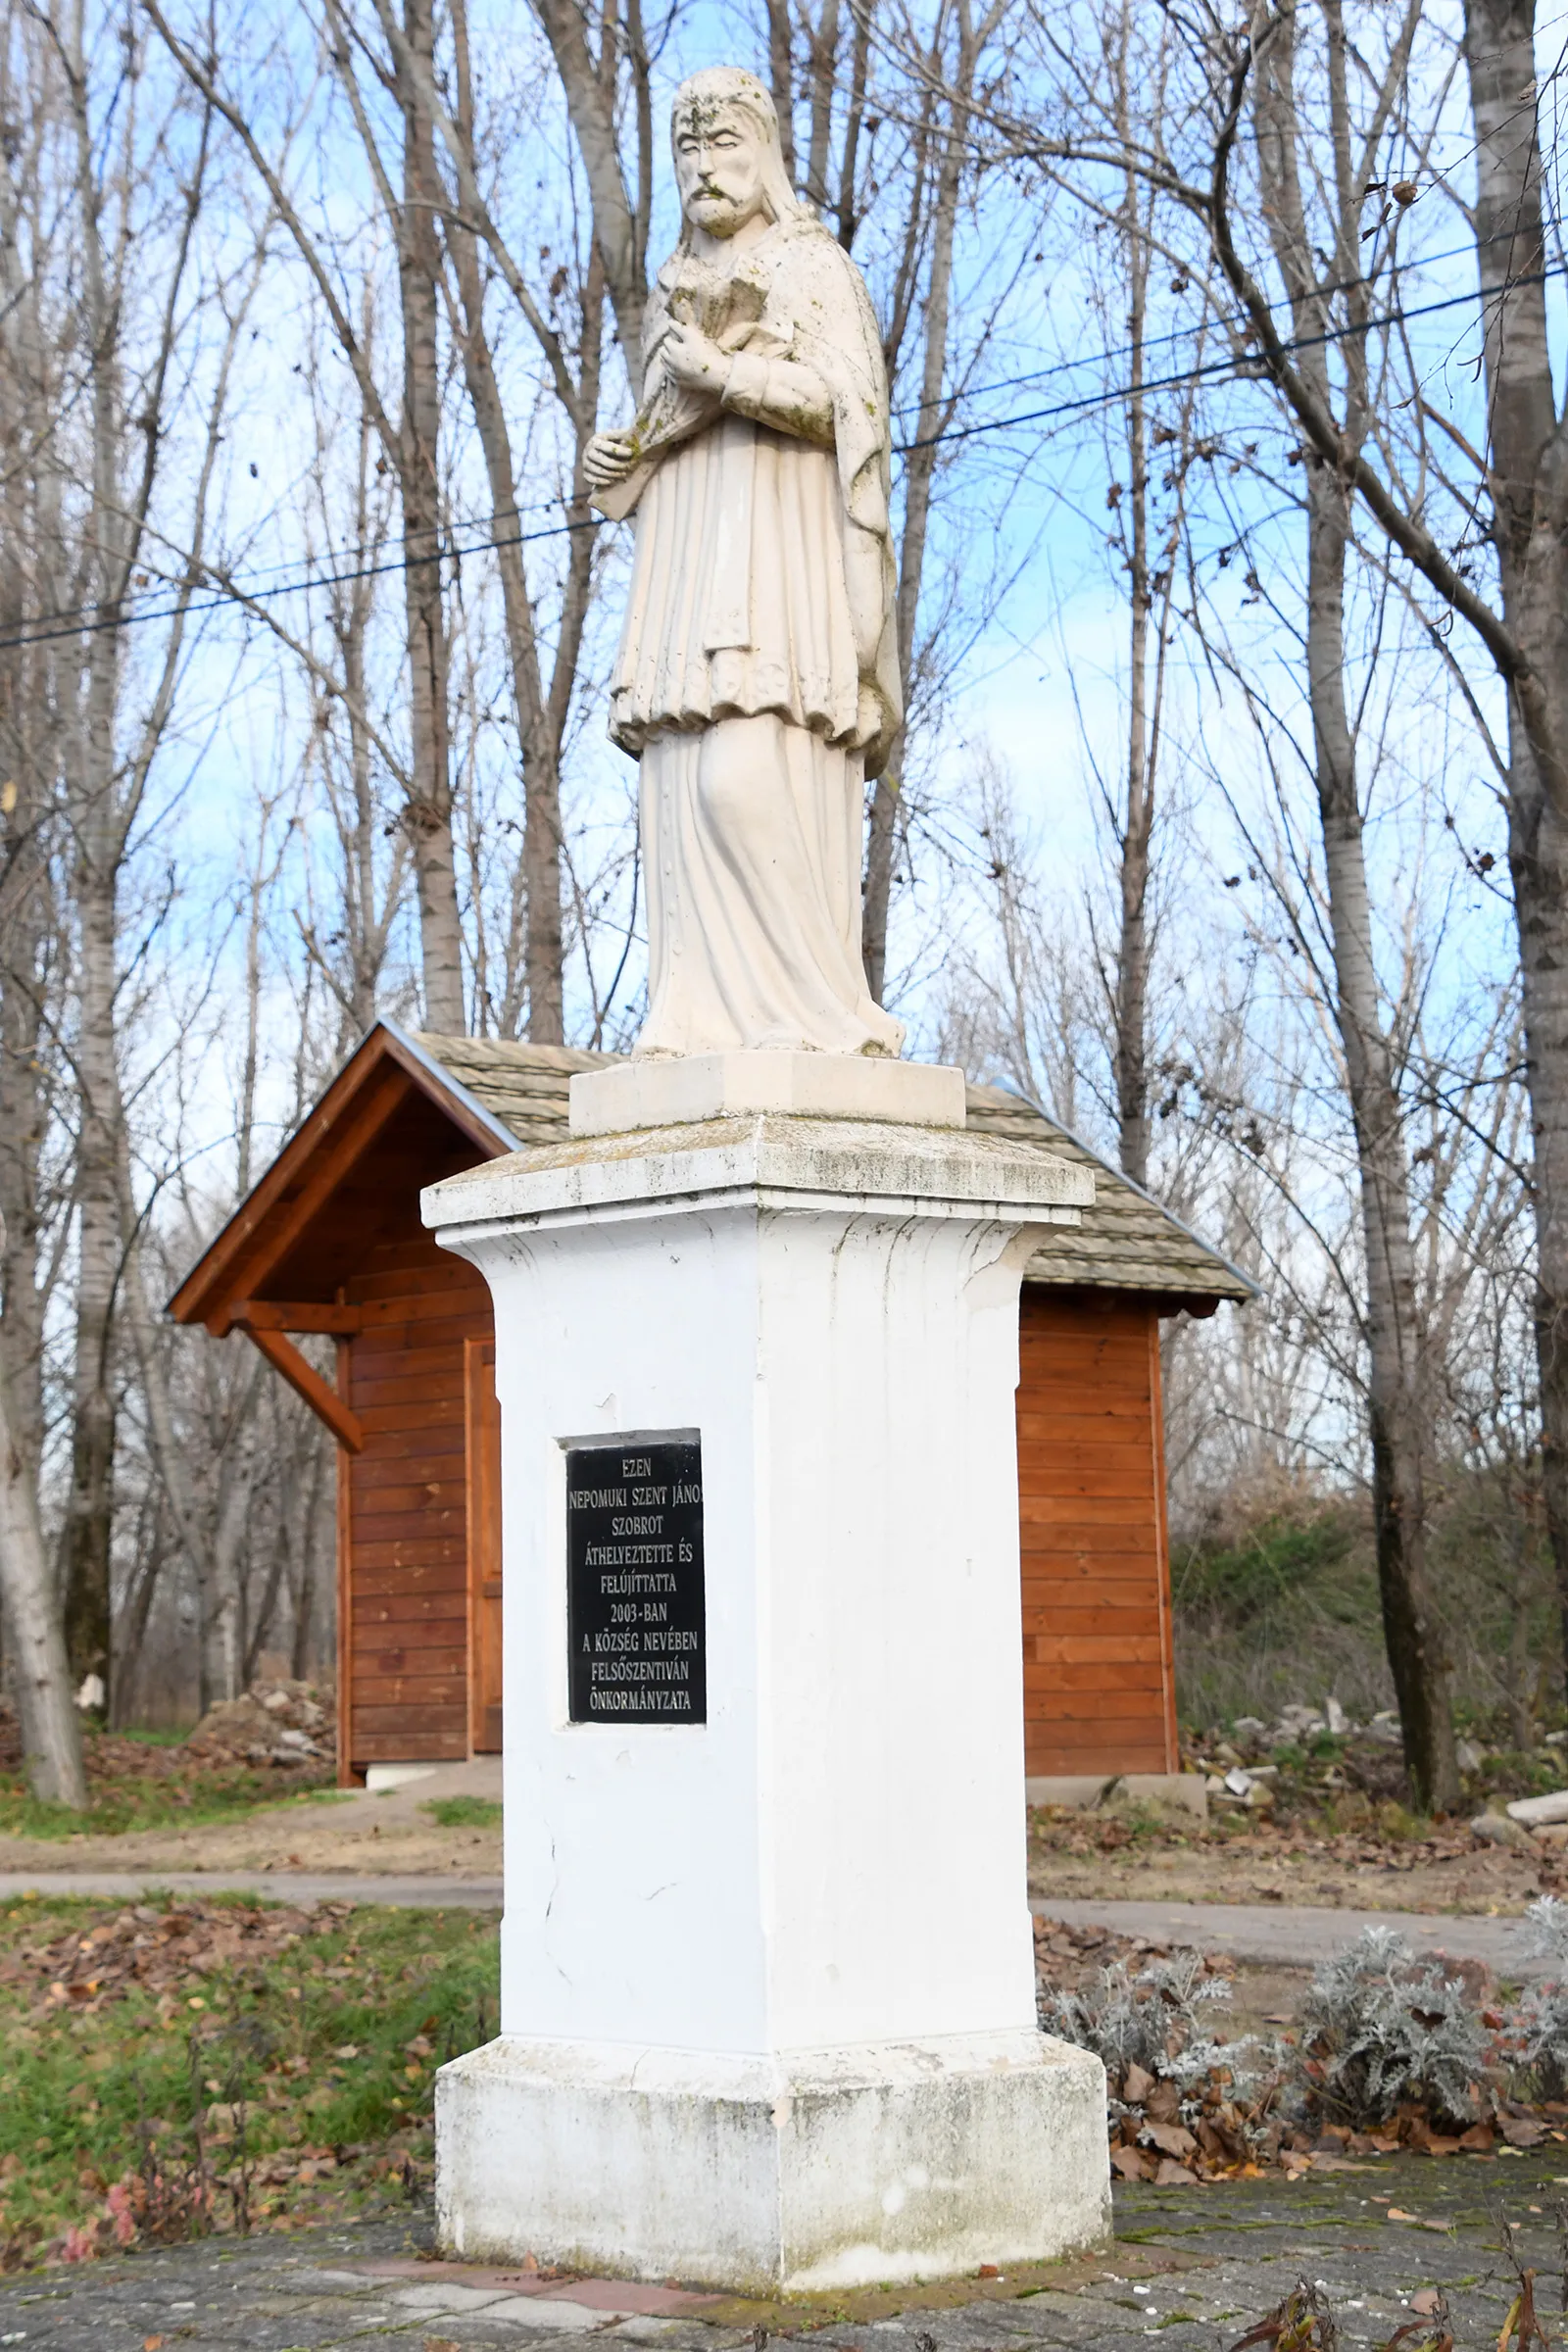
column 691, row 359
column 608, row 458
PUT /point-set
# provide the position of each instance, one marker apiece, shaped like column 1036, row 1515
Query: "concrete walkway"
column 1287, row 1936
column 426, row 1893
column 1269, row 1936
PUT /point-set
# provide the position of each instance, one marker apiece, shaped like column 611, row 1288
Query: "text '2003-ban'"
column 636, row 1628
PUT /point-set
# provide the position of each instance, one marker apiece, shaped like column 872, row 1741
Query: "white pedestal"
column 767, row 1995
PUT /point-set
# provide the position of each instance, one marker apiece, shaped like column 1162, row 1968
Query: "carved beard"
column 779, row 200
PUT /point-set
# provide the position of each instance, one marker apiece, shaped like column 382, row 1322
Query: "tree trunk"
column 89, row 1506
column 781, row 73
column 540, row 741
column 51, row 1735
column 1131, row 1047
column 318, row 1518
column 430, row 807
column 919, row 478
column 1528, row 445
column 620, row 225
column 1397, row 1398
column 99, row 843
column 219, row 1598
column 1397, row 1401
column 29, row 923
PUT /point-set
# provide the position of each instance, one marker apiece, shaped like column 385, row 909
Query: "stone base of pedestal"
column 832, row 2169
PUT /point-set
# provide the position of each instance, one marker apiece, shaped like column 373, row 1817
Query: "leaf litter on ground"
column 173, row 2068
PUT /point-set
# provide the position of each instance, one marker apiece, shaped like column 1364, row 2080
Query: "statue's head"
column 729, row 166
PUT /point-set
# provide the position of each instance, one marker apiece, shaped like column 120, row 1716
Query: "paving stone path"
column 1194, row 2268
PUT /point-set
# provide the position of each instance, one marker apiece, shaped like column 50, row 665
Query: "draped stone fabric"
column 757, row 674
column 752, row 837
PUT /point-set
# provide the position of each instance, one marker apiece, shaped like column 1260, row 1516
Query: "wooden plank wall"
column 1096, row 1671
column 406, row 1648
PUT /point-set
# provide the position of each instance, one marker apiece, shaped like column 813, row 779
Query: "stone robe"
column 757, row 674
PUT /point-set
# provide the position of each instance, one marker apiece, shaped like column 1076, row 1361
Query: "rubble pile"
column 289, row 1726
column 1317, row 1755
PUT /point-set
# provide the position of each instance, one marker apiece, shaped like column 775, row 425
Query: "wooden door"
column 483, row 1418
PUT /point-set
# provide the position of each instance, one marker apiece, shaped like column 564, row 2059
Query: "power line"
column 907, row 407
column 1247, row 371
column 29, row 633
column 1233, row 319
column 120, row 618
column 461, row 523
column 967, row 392
column 231, row 597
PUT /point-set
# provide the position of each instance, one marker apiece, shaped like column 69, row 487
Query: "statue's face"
column 719, row 164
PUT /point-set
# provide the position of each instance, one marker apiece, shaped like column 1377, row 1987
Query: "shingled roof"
column 1125, row 1241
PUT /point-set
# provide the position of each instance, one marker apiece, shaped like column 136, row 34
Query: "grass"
column 121, row 1805
column 290, row 2086
column 465, row 1812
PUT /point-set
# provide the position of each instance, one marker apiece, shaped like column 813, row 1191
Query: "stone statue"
column 758, row 677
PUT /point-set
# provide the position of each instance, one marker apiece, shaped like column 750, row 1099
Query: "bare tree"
column 923, row 299
column 1136, row 75
column 122, row 279
column 409, row 444
column 599, row 94
column 1319, row 257
column 51, row 1734
column 30, row 924
column 572, row 367
column 1359, row 459
column 1524, row 481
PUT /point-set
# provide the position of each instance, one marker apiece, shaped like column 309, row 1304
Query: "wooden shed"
column 330, row 1242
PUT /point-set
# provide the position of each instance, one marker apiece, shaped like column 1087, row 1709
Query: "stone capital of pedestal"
column 669, row 1090
column 767, row 1161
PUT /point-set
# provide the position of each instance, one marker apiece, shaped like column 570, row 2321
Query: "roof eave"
column 1247, row 1289
column 201, row 1296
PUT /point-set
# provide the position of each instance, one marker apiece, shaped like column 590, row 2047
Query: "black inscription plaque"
column 636, row 1627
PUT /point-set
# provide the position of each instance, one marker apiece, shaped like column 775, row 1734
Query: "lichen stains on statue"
column 758, row 677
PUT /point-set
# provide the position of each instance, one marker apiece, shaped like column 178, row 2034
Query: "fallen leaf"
column 1427, row 2302
column 1172, row 2175
column 1130, row 2164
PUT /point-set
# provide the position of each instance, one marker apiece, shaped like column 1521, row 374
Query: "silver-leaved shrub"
column 1380, row 2026
column 1538, row 2037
